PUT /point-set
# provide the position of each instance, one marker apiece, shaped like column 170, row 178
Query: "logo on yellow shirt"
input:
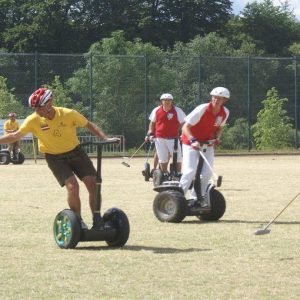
column 45, row 126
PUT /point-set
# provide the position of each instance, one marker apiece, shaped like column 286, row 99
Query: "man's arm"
column 11, row 137
column 151, row 128
column 95, row 130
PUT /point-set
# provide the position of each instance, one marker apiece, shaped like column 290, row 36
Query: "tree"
column 273, row 128
column 272, row 28
column 8, row 102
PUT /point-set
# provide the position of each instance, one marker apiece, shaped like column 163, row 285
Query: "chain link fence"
column 119, row 92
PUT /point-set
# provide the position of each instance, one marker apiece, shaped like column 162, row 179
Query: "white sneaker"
column 83, row 225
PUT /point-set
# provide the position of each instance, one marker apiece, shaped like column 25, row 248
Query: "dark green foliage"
column 236, row 136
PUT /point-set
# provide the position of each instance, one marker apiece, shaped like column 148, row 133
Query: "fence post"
column 36, row 61
column 91, row 86
column 145, row 90
column 296, row 103
column 249, row 102
column 199, row 80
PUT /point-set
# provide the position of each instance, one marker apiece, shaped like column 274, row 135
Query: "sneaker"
column 83, row 225
column 198, row 205
column 151, row 173
column 98, row 223
column 165, row 177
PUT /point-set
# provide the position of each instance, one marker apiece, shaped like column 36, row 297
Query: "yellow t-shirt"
column 58, row 135
column 10, row 126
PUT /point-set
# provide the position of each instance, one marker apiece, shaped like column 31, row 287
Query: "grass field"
column 190, row 260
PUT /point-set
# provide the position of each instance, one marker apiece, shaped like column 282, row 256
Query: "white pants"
column 165, row 149
column 189, row 168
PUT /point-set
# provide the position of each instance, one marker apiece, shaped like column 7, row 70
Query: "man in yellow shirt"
column 12, row 125
column 55, row 128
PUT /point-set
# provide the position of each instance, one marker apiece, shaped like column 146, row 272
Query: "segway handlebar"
column 104, row 142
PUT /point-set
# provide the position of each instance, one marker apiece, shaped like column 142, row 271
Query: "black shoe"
column 199, row 205
column 98, row 223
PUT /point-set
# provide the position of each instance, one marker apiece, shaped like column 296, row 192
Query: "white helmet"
column 166, row 96
column 220, row 91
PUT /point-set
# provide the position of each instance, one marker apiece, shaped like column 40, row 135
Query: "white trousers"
column 189, row 168
column 165, row 149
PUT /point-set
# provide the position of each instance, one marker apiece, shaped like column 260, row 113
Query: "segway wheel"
column 4, row 158
column 157, row 177
column 146, row 172
column 218, row 207
column 117, row 219
column 170, row 206
column 20, row 160
column 67, row 229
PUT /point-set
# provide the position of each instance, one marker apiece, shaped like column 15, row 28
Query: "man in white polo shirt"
column 165, row 124
column 204, row 123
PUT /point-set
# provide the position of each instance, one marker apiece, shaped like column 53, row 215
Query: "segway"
column 174, row 175
column 146, row 172
column 170, row 204
column 112, row 227
column 16, row 157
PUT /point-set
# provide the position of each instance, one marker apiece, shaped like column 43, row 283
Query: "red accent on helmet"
column 40, row 97
column 11, row 114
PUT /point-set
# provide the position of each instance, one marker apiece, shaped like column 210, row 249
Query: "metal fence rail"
column 118, row 92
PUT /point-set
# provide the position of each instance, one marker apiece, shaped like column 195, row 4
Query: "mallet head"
column 125, row 164
column 219, row 181
column 262, row 231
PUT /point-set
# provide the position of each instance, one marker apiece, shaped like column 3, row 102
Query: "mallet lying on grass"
column 265, row 230
column 127, row 163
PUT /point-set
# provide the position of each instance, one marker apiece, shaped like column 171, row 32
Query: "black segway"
column 112, row 227
column 16, row 157
column 174, row 175
column 146, row 172
column 170, row 204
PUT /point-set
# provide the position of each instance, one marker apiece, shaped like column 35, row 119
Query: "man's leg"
column 189, row 163
column 90, row 183
column 72, row 187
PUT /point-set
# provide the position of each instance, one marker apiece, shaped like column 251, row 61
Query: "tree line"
column 68, row 26
column 120, row 75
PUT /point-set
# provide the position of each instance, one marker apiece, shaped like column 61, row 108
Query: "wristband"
column 193, row 140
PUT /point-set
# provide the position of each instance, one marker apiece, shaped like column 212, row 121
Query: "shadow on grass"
column 239, row 222
column 157, row 250
column 259, row 222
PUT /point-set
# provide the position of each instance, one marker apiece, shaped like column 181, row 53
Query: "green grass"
column 190, row 260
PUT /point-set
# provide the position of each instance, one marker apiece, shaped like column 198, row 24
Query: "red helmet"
column 40, row 97
column 11, row 114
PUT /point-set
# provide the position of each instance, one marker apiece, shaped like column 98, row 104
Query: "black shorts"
column 65, row 165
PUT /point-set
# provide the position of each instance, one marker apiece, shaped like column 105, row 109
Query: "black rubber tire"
column 157, row 177
column 4, row 158
column 170, row 206
column 117, row 219
column 147, row 171
column 67, row 229
column 218, row 207
column 20, row 160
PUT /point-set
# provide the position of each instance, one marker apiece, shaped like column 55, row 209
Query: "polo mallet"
column 126, row 163
column 218, row 178
column 265, row 230
column 33, row 148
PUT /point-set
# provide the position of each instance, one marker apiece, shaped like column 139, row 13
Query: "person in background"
column 165, row 125
column 10, row 126
column 203, row 124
